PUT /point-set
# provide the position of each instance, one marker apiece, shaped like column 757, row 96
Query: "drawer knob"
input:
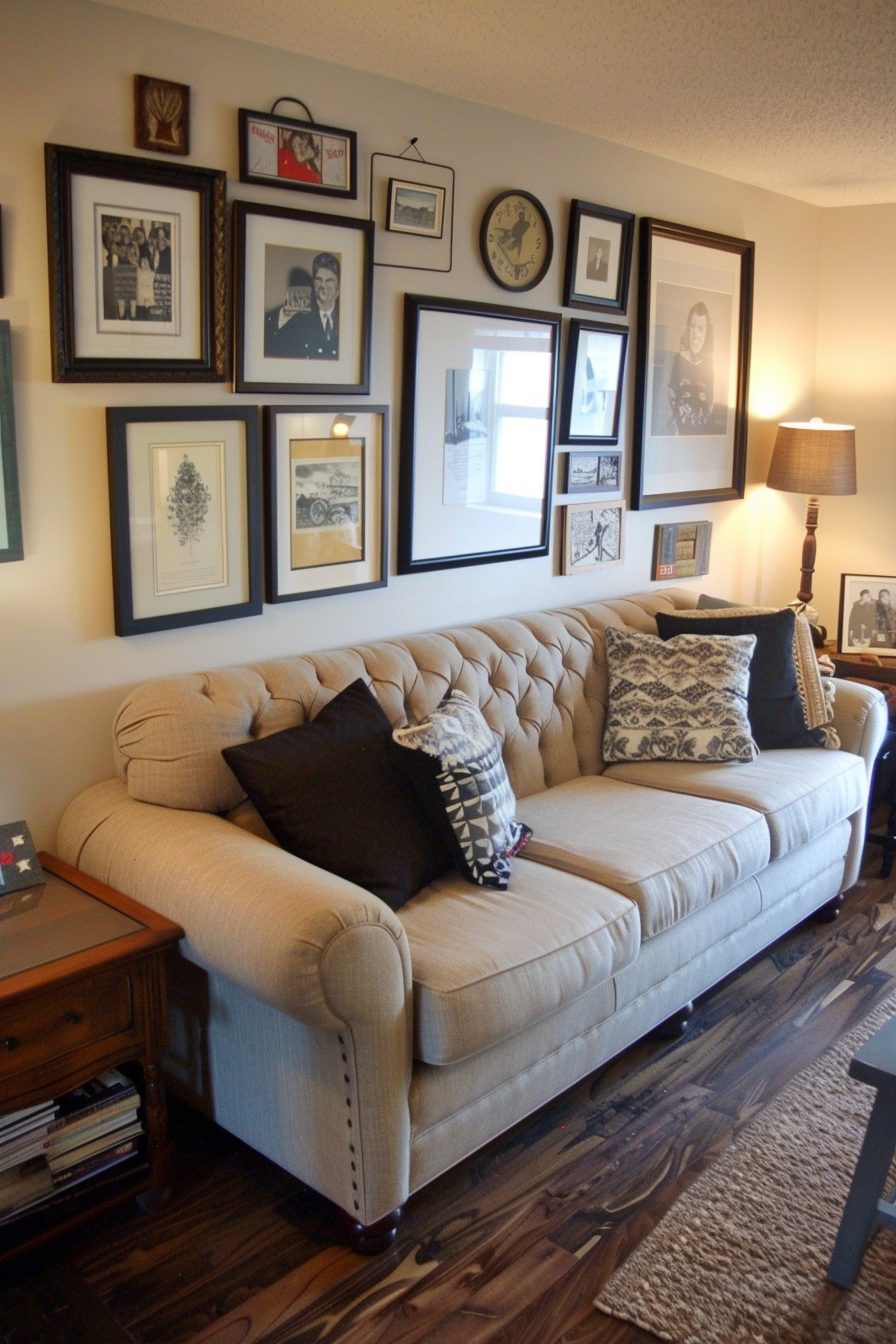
column 74, row 1016
column 11, row 1042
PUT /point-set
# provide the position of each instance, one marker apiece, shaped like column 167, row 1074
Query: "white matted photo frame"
column 10, row 508
column 593, row 536
column 598, row 257
column 393, row 179
column 478, row 397
column 138, row 278
column 592, row 383
column 867, row 621
column 695, row 309
column 304, row 289
column 185, row 494
column 591, row 472
column 326, row 500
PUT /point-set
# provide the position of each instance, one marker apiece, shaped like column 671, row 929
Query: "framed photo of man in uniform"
column 304, row 285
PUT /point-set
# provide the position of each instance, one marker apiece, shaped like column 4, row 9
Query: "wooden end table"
column 83, row 989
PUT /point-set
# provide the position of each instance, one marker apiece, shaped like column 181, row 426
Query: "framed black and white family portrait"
column 304, row 285
column 867, row 614
column 694, row 321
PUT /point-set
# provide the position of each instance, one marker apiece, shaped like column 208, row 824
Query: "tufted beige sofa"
column 367, row 1051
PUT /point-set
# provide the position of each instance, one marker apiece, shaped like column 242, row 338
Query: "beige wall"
column 66, row 70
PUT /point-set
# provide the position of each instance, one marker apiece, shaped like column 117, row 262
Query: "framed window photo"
column 185, row 493
column 326, row 500
column 138, row 281
column 10, row 509
column 598, row 258
column 592, row 536
column 476, row 433
column 693, row 361
column 279, row 151
column 415, row 207
column 867, row 614
column 592, row 383
column 304, row 289
column 593, row 473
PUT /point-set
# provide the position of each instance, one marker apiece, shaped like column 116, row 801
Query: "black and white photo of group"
column 137, row 266
column 871, row 623
column 691, row 351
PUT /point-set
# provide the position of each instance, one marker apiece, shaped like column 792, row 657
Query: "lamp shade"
column 814, row 459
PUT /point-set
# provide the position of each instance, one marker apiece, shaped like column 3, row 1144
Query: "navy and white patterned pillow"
column 454, row 761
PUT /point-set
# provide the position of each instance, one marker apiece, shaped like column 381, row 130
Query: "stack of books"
column 49, row 1148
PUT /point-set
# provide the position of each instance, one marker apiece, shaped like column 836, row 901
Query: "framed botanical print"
column 185, row 491
column 304, row 288
column 326, row 500
column 138, row 281
column 598, row 258
column 694, row 321
column 10, row 509
column 592, row 383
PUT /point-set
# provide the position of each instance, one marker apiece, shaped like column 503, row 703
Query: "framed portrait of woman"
column 692, row 368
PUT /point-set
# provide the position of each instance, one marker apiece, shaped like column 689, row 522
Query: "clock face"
column 516, row 240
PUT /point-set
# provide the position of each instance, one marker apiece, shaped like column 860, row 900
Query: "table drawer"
column 71, row 1016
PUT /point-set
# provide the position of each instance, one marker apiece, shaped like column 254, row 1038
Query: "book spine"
column 92, row 1165
column 93, row 1108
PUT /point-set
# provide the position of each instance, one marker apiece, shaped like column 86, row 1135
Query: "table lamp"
column 813, row 459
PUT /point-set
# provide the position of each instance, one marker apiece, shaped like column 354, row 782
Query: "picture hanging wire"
column 412, row 145
column 297, row 101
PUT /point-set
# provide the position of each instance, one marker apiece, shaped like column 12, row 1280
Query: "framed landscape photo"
column 592, row 536
column 592, row 383
column 867, row 614
column 415, row 207
column 279, row 151
column 476, row 433
column 412, row 206
column 304, row 289
column 326, row 500
column 10, row 508
column 593, row 473
column 693, row 362
column 138, row 278
column 598, row 258
column 185, row 494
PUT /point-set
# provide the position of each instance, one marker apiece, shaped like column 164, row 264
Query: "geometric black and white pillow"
column 454, row 761
column 682, row 699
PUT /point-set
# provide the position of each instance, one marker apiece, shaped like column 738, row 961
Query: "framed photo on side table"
column 304, row 289
column 598, row 258
column 185, row 494
column 327, row 494
column 10, row 508
column 138, row 279
column 695, row 310
column 592, row 383
column 592, row 536
column 867, row 614
column 477, row 429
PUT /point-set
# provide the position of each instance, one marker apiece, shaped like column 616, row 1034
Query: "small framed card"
column 19, row 864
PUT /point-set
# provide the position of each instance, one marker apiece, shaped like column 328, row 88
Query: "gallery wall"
column 66, row 76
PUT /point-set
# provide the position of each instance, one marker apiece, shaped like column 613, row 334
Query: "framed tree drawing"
column 185, row 493
column 693, row 361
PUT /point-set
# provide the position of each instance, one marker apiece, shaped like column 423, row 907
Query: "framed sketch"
column 592, row 383
column 279, row 151
column 161, row 115
column 867, row 614
column 304, row 289
column 592, row 536
column 10, row 509
column 693, row 362
column 138, row 280
column 185, row 492
column 415, row 207
column 598, row 258
column 681, row 550
column 593, row 473
column 326, row 500
column 476, row 433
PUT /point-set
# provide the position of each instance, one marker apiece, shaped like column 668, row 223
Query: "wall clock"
column 516, row 240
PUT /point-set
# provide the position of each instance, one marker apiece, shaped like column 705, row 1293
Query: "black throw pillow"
column 331, row 792
column 774, row 707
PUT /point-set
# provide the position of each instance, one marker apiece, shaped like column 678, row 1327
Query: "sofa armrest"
column 305, row 941
column 860, row 717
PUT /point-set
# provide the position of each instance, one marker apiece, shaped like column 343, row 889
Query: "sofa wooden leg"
column 372, row 1238
column 675, row 1026
column 826, row 914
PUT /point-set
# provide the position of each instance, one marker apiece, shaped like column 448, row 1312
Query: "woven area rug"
column 741, row 1257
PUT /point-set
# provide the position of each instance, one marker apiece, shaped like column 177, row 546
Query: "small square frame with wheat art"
column 867, row 621
column 185, row 495
column 593, row 536
column 161, row 115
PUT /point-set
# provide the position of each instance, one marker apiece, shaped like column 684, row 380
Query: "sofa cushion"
column 453, row 760
column 801, row 794
column 775, row 708
column 680, row 700
column 539, row 944
column 668, row 852
column 331, row 792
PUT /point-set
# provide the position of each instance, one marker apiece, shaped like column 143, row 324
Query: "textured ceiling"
column 795, row 95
